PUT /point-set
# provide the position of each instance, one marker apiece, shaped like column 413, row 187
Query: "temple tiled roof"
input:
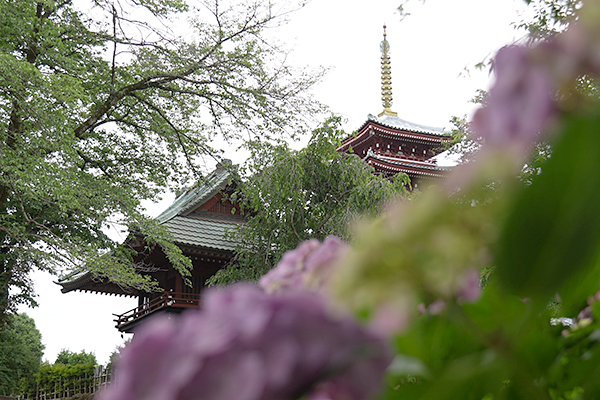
column 201, row 232
column 198, row 229
column 394, row 122
column 73, row 279
column 198, row 195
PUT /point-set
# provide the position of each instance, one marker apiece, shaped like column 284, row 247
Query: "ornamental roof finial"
column 386, row 76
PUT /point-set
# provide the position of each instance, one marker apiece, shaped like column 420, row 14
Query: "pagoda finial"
column 386, row 76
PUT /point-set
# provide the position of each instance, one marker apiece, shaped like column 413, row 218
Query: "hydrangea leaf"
column 550, row 239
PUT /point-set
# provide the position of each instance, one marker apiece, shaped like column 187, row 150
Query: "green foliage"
column 100, row 111
column 65, row 376
column 533, row 261
column 69, row 371
column 550, row 17
column 473, row 351
column 291, row 196
column 420, row 252
column 21, row 352
column 68, row 357
column 542, row 235
column 114, row 356
column 463, row 143
column 498, row 348
column 541, row 154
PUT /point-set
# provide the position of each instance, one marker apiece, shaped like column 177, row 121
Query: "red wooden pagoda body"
column 391, row 145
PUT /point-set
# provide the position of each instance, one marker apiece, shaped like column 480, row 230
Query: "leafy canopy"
column 67, row 357
column 294, row 195
column 550, row 17
column 21, row 351
column 105, row 107
column 69, row 371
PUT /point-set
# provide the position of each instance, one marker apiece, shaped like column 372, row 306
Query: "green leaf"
column 100, row 112
column 550, row 240
column 293, row 196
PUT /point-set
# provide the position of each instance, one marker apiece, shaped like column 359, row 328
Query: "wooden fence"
column 84, row 386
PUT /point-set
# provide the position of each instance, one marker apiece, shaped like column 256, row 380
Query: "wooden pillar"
column 178, row 283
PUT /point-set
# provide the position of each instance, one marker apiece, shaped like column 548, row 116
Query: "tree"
column 550, row 17
column 291, row 196
column 116, row 354
column 100, row 110
column 68, row 357
column 69, row 371
column 21, row 351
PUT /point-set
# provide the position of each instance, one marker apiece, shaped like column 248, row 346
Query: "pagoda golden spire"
column 386, row 76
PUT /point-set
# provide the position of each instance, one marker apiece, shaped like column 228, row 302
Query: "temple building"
column 390, row 144
column 198, row 220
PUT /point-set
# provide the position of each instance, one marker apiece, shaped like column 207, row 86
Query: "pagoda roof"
column 411, row 167
column 395, row 122
column 387, row 124
column 405, row 162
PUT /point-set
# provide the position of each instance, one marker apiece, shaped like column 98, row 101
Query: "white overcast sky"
column 431, row 50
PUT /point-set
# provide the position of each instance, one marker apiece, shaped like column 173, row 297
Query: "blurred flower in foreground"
column 519, row 104
column 248, row 345
column 309, row 266
column 469, row 289
column 420, row 252
column 533, row 83
column 585, row 316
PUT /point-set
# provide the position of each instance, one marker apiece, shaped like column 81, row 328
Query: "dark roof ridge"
column 196, row 196
column 395, row 122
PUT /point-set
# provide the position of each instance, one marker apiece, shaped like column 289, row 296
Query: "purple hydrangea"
column 522, row 100
column 309, row 266
column 587, row 312
column 245, row 344
column 520, row 103
column 576, row 51
column 392, row 317
column 533, row 84
column 469, row 289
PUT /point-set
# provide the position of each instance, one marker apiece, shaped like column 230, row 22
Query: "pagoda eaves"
column 392, row 145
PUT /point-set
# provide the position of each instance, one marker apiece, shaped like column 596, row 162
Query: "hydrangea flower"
column 469, row 289
column 248, row 345
column 519, row 104
column 309, row 266
column 523, row 99
column 533, row 84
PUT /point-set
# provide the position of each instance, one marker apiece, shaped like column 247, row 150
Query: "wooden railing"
column 165, row 300
column 405, row 155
